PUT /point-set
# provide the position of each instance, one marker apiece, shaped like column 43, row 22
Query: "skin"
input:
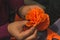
column 23, row 10
column 16, row 28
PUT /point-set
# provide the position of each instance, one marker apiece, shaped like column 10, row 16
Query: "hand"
column 16, row 30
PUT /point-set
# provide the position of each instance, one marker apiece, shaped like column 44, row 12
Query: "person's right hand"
column 16, row 30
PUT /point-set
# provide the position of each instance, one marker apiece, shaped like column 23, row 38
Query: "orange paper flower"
column 37, row 16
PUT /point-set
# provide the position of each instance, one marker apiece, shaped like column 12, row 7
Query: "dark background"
column 52, row 8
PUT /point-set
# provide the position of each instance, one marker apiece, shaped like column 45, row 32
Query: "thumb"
column 23, row 23
column 19, row 23
column 16, row 27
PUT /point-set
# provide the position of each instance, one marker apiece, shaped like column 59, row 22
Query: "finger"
column 16, row 27
column 21, row 25
column 27, row 33
column 18, row 24
column 33, row 36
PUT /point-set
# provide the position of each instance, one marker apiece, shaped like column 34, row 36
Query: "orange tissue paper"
column 39, row 17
